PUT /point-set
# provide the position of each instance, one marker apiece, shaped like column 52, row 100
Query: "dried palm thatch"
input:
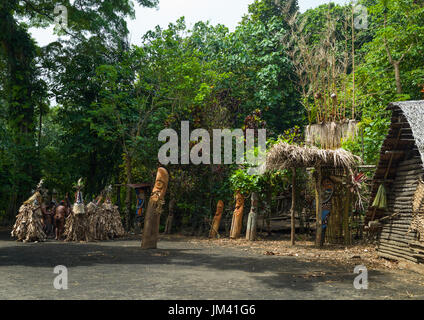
column 113, row 226
column 77, row 228
column 77, row 224
column 29, row 221
column 283, row 156
column 95, row 221
column 104, row 221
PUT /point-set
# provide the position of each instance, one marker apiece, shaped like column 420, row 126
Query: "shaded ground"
column 185, row 268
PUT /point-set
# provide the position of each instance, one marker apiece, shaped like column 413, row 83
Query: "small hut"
column 285, row 156
column 399, row 174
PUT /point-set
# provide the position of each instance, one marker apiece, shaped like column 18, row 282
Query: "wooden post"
column 170, row 218
column 252, row 221
column 118, row 197
column 128, row 172
column 318, row 200
column 237, row 222
column 216, row 219
column 346, row 213
column 154, row 209
column 269, row 212
column 293, row 206
column 386, row 175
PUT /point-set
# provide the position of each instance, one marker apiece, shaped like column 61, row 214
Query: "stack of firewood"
column 29, row 221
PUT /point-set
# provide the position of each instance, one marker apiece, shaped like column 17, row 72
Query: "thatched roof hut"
column 399, row 170
column 284, row 156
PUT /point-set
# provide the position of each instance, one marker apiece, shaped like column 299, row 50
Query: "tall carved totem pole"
column 154, row 210
column 216, row 219
column 237, row 222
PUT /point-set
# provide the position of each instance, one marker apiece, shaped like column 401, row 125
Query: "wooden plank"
column 394, row 256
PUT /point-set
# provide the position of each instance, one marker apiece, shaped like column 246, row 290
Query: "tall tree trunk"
column 269, row 212
column 253, row 218
column 353, row 65
column 19, row 54
column 346, row 227
column 128, row 173
column 393, row 62
column 169, row 220
column 318, row 200
column 40, row 125
column 118, row 197
column 293, row 207
column 396, row 66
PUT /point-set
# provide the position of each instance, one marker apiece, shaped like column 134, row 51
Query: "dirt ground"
column 189, row 268
column 305, row 250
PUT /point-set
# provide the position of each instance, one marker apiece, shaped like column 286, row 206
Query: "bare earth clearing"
column 189, row 268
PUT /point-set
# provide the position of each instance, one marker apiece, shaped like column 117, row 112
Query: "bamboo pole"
column 318, row 200
column 388, row 169
column 292, row 213
column 353, row 64
column 346, row 228
column 169, row 220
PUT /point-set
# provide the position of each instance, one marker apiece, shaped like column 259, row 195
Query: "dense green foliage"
column 398, row 38
column 91, row 105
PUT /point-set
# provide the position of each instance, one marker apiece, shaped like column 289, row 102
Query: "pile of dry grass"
column 29, row 221
column 284, row 156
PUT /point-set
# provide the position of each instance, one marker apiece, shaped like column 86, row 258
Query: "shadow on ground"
column 273, row 271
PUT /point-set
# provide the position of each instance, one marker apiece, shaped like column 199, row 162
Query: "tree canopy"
column 92, row 105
